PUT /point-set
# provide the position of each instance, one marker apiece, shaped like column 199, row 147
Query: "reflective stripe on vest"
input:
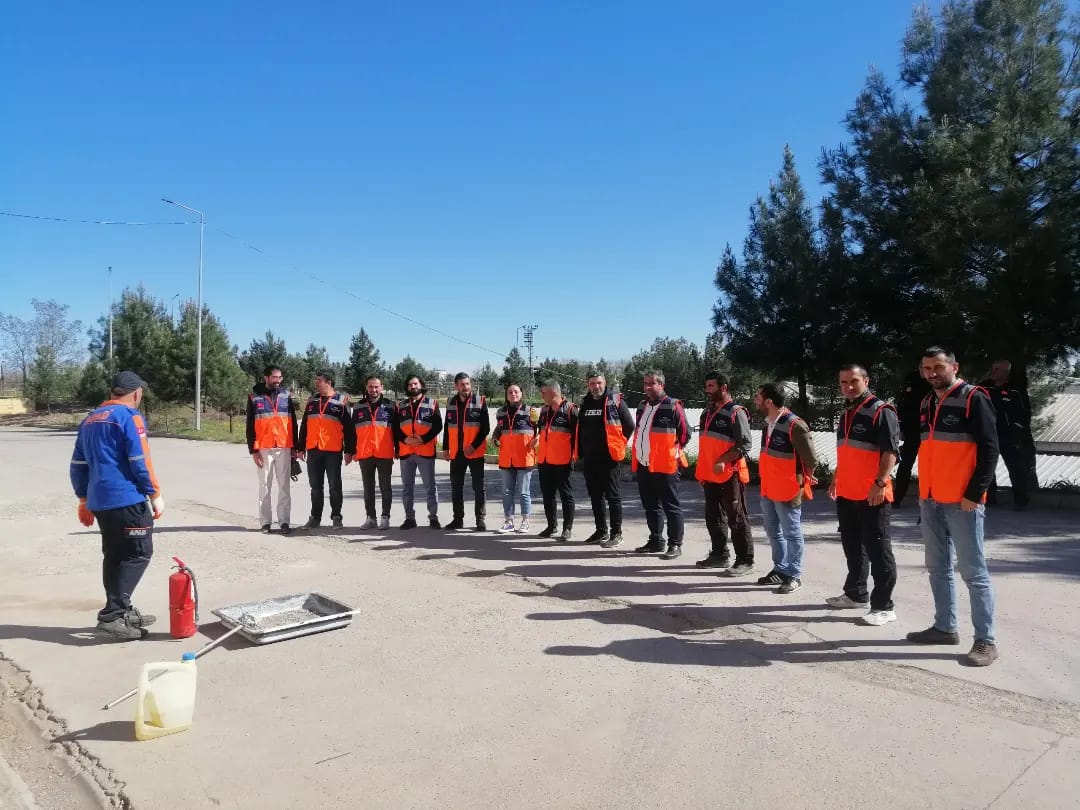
column 858, row 456
column 465, row 435
column 323, row 423
column 416, row 421
column 272, row 428
column 616, row 441
column 374, row 436
column 716, row 437
column 515, row 440
column 665, row 455
column 948, row 450
column 778, row 464
column 556, row 445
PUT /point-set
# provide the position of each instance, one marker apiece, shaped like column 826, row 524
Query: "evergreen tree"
column 363, row 362
column 406, row 367
column 516, row 370
column 486, row 381
column 678, row 359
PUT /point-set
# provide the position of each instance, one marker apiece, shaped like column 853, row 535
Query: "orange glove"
column 86, row 517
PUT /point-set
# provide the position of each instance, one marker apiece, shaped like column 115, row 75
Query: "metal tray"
column 285, row 617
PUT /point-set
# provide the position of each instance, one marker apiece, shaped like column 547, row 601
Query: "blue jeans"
column 783, row 525
column 426, row 465
column 945, row 528
column 517, row 481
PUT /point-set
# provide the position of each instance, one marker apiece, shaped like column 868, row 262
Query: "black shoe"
column 548, row 532
column 615, row 540
column 455, row 524
column 433, row 523
column 481, row 525
column 120, row 630
column 651, row 548
column 673, row 553
column 789, row 585
column 337, row 523
column 285, row 530
column 714, row 561
column 739, row 569
column 408, row 523
column 771, row 578
column 596, row 538
column 265, row 528
column 138, row 619
column 931, row 635
column 313, row 523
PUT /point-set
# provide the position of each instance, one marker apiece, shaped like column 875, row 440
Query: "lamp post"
column 111, row 369
column 198, row 333
column 172, row 308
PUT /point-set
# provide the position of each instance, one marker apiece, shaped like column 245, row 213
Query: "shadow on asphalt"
column 68, row 636
column 109, row 731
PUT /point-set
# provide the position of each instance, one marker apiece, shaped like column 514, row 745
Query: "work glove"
column 86, row 517
column 157, row 504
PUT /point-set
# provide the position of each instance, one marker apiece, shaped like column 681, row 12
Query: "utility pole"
column 527, row 333
column 110, row 322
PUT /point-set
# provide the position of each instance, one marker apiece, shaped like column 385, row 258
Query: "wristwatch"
column 879, row 483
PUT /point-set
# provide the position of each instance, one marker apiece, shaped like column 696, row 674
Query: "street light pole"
column 110, row 322
column 198, row 333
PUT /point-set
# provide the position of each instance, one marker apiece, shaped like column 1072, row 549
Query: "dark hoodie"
column 260, row 390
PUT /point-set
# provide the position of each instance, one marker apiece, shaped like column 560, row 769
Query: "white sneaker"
column 523, row 526
column 370, row 523
column 384, row 522
column 844, row 602
column 876, row 618
column 507, row 527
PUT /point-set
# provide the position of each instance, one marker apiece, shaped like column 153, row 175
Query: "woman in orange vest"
column 514, row 435
column 556, row 454
column 867, row 445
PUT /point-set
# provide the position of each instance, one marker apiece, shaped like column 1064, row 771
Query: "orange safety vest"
column 374, row 432
column 322, row 423
column 415, row 421
column 464, row 435
column 948, row 451
column 715, row 437
column 616, row 441
column 778, row 464
column 515, row 437
column 858, row 455
column 557, row 434
column 272, row 426
column 665, row 451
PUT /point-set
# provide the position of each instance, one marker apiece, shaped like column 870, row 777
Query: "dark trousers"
column 1018, row 463
column 127, row 544
column 458, row 465
column 368, row 468
column 909, row 451
column 864, row 533
column 555, row 480
column 324, row 463
column 660, row 498
column 725, row 509
column 602, row 484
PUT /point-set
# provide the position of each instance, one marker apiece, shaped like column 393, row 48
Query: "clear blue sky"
column 476, row 166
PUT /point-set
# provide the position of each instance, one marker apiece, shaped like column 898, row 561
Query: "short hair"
column 592, row 372
column 854, row 367
column 326, row 375
column 271, row 369
column 552, row 385
column 655, row 373
column 934, row 351
column 721, row 379
column 371, row 377
column 774, row 392
column 461, row 375
column 412, row 377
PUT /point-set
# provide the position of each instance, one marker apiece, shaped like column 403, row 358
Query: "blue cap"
column 187, row 657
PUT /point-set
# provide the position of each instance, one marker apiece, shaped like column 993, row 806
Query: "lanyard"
column 710, row 419
column 551, row 418
column 937, row 405
column 849, row 419
column 322, row 408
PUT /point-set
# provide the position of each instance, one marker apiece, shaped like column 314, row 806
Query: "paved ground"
column 514, row 671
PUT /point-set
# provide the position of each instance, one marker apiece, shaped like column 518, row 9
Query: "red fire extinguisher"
column 183, row 601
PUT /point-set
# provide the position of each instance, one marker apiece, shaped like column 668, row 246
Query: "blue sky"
column 475, row 166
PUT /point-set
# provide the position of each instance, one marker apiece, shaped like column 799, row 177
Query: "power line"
column 90, row 221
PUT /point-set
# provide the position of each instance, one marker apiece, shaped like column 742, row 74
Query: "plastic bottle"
column 165, row 703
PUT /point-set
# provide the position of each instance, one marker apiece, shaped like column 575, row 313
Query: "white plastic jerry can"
column 165, row 703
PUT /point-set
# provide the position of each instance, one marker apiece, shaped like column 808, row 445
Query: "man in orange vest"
column 786, row 466
column 656, row 455
column 417, row 427
column 376, row 447
column 272, row 442
column 325, row 433
column 957, row 458
column 604, row 426
column 464, row 442
column 723, row 446
column 867, row 444
column 514, row 435
column 555, row 456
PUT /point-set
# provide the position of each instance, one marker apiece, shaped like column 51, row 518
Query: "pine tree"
column 363, row 362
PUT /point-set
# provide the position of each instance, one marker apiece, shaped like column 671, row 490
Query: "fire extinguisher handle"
column 195, row 591
column 179, row 563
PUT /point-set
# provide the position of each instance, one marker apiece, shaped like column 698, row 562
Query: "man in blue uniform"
column 116, row 485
